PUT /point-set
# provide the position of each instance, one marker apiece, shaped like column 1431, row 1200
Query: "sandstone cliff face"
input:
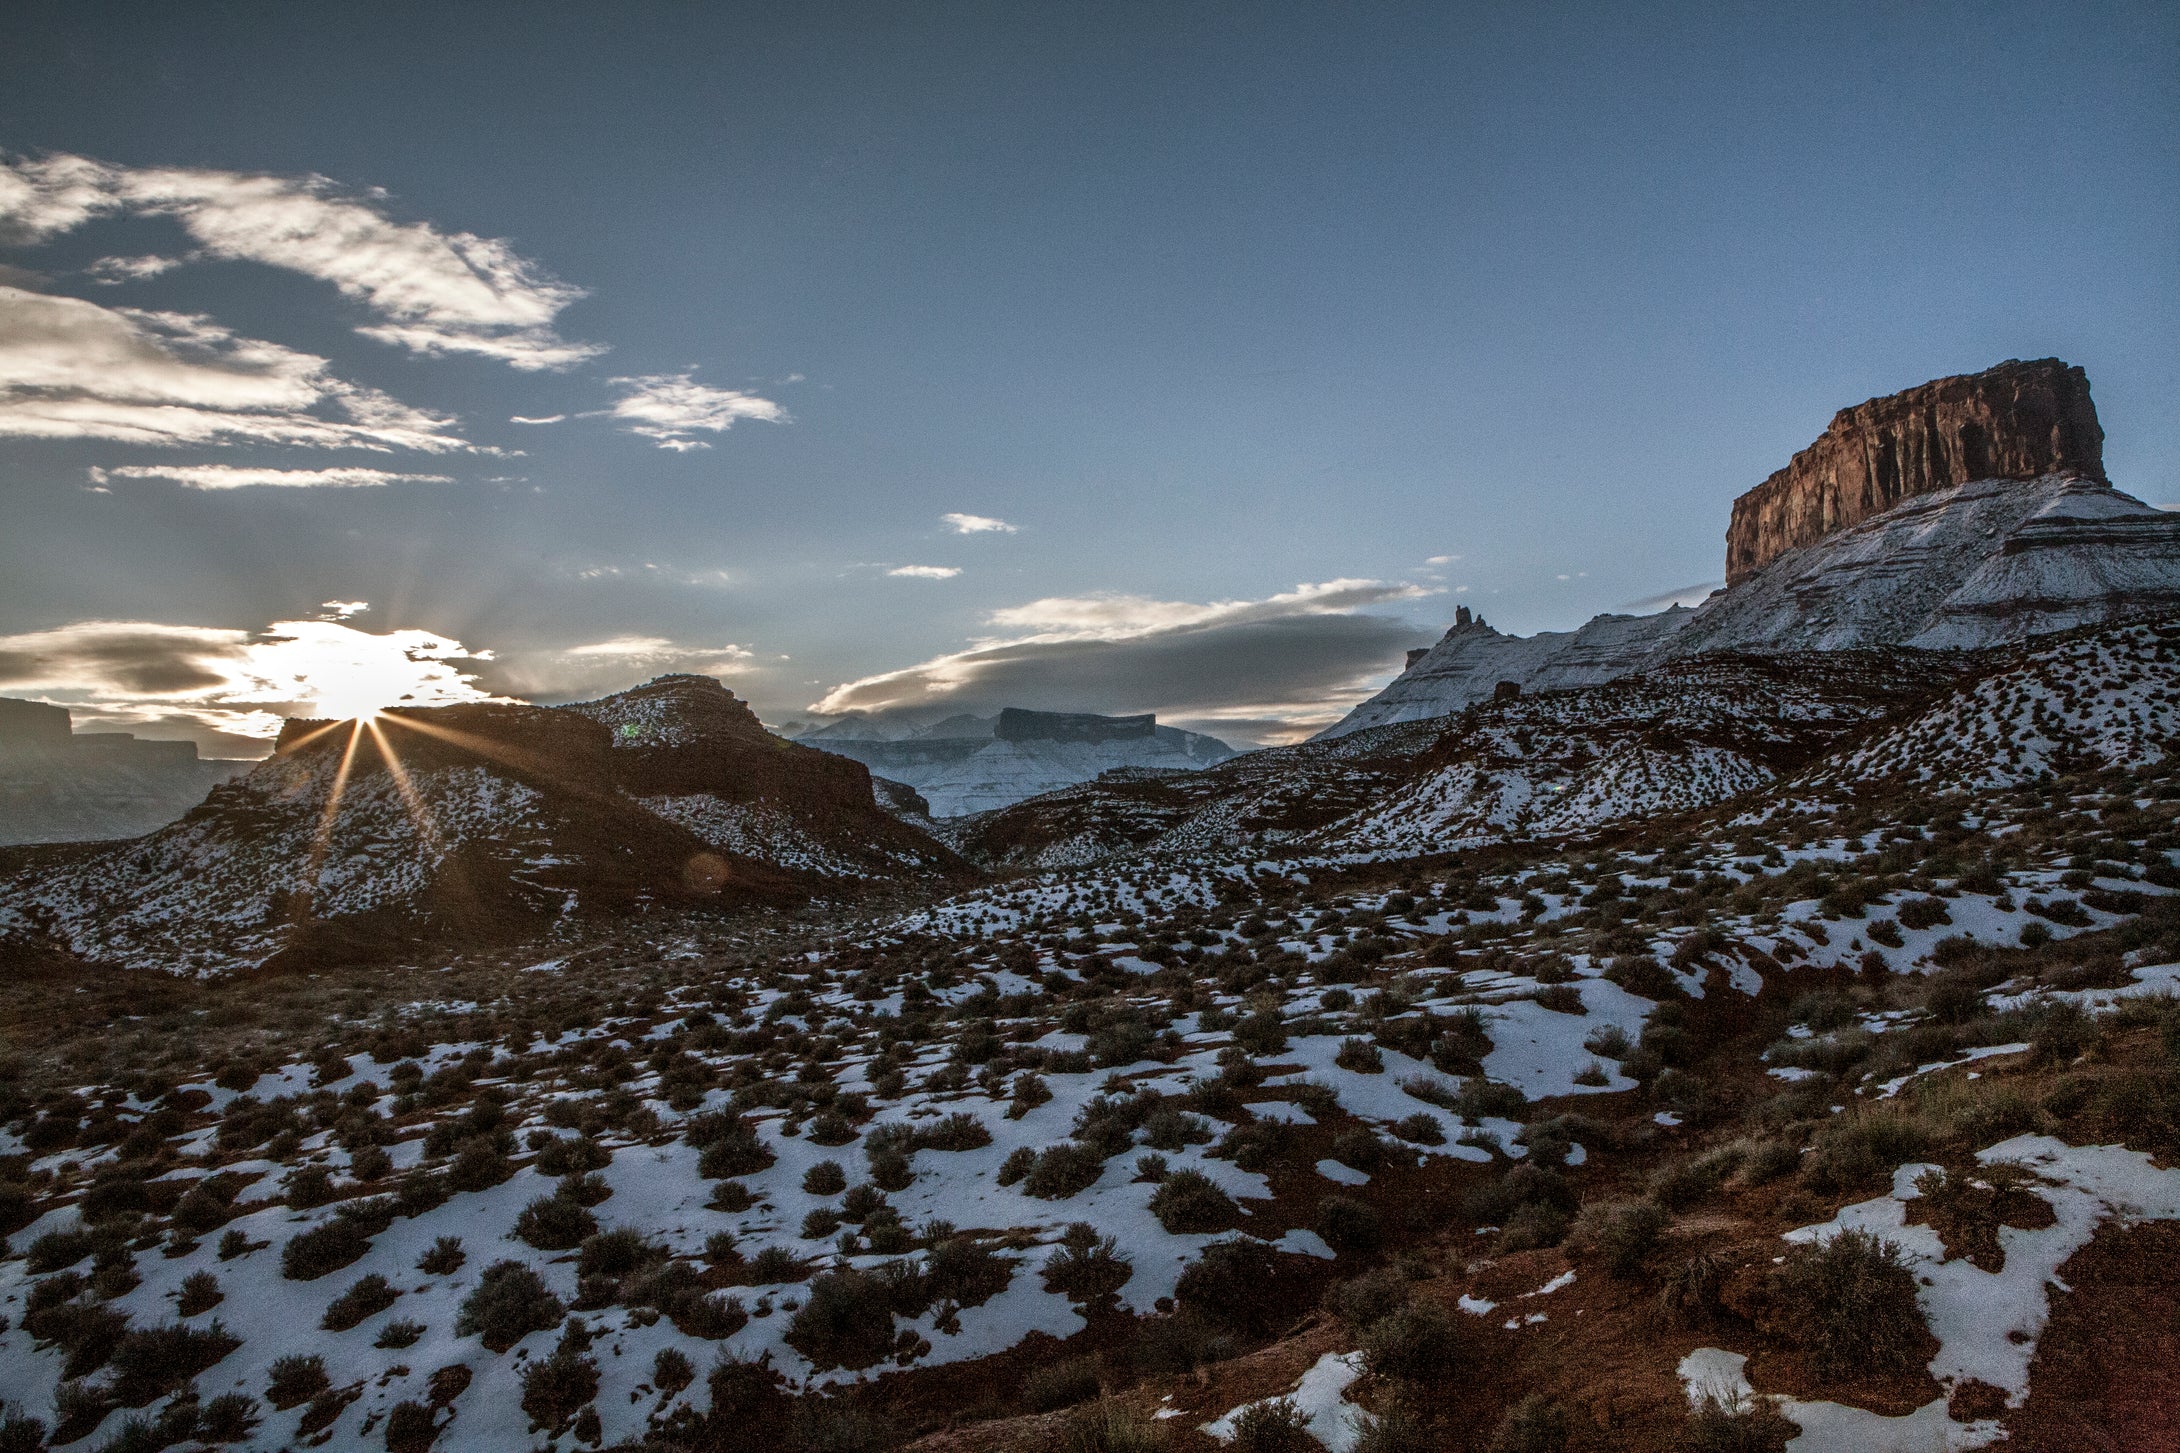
column 2016, row 421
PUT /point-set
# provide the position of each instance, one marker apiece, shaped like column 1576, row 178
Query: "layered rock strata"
column 2016, row 421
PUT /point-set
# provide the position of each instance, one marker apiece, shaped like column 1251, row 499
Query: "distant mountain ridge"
column 1986, row 630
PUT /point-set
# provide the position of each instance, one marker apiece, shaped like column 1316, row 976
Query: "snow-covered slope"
column 1574, row 761
column 1974, row 566
column 1471, row 659
column 475, row 825
column 1686, row 736
column 1969, row 567
column 2110, row 698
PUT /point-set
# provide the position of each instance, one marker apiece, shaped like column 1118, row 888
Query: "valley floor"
column 1849, row 1123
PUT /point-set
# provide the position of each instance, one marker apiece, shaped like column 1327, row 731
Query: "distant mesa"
column 1965, row 513
column 1018, row 725
column 963, row 763
column 60, row 785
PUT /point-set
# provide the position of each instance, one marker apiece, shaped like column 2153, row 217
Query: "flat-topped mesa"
column 1019, row 725
column 2016, row 421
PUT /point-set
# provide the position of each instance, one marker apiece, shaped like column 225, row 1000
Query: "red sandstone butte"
column 2016, row 421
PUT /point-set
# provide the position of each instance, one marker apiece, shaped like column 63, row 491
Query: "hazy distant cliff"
column 60, row 785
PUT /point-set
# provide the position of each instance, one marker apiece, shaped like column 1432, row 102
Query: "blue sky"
column 1272, row 331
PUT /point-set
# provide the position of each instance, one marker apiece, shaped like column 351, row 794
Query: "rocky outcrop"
column 1966, row 514
column 1472, row 661
column 680, row 734
column 2016, row 421
column 1967, row 567
column 694, row 753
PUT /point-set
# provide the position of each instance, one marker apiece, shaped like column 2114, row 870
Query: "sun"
column 332, row 671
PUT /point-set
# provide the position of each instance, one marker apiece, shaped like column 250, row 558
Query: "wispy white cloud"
column 131, row 269
column 543, row 419
column 658, row 649
column 228, row 476
column 1298, row 658
column 433, row 292
column 341, row 610
column 926, row 572
column 977, row 525
column 44, row 197
column 74, row 369
column 1442, row 560
column 1113, row 617
column 705, row 577
column 671, row 408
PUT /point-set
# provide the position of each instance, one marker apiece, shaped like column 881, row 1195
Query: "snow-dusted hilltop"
column 475, row 824
column 1971, row 564
column 968, row 764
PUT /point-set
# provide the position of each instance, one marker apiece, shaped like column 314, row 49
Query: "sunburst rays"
column 322, row 840
column 419, row 811
column 412, row 801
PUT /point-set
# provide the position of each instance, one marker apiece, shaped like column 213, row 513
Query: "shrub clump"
column 1736, row 1426
column 1061, row 1384
column 444, row 1258
column 1536, row 1424
column 295, row 1378
column 1365, row 1300
column 1062, row 1171
column 1238, row 1285
column 1087, row 1268
column 323, row 1249
column 617, row 1253
column 1849, row 1304
column 370, row 1295
column 555, row 1223
column 846, row 1323
column 1421, row 1342
column 152, row 1361
column 200, row 1292
column 556, row 1388
column 959, row 1131
column 1349, row 1226
column 730, row 1147
column 1274, row 1425
column 1188, row 1201
column 510, row 1303
column 1619, row 1235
